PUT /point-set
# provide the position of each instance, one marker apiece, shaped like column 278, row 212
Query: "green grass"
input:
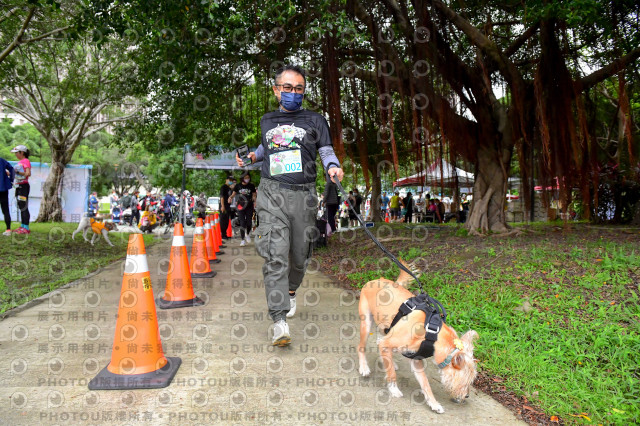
column 46, row 259
column 577, row 351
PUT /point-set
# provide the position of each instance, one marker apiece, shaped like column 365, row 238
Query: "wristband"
column 332, row 165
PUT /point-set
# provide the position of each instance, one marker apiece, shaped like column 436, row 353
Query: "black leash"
column 429, row 300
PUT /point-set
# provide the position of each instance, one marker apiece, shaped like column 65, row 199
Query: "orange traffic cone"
column 229, row 229
column 386, row 218
column 199, row 265
column 137, row 358
column 178, row 292
column 210, row 242
column 217, row 233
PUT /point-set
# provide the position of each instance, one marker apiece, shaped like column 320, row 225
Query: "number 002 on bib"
column 285, row 162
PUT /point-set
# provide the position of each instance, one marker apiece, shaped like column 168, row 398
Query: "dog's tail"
column 404, row 279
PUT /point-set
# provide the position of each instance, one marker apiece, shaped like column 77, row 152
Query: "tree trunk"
column 50, row 206
column 636, row 217
column 376, row 185
column 489, row 193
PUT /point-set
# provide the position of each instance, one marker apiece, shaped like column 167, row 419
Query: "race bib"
column 285, row 162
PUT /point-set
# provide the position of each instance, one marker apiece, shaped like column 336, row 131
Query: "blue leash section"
column 429, row 300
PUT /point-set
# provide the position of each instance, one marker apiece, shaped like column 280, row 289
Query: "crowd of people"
column 422, row 208
column 156, row 208
column 408, row 209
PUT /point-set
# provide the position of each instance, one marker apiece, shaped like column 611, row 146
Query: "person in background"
column 433, row 207
column 420, row 206
column 135, row 205
column 246, row 195
column 6, row 182
column 350, row 201
column 331, row 200
column 226, row 214
column 201, row 205
column 384, row 203
column 168, row 202
column 408, row 205
column 464, row 206
column 113, row 201
column 93, row 205
column 149, row 202
column 23, row 171
column 394, row 206
column 357, row 203
column 125, row 203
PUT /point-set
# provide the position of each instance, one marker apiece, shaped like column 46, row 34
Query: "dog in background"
column 379, row 301
column 99, row 228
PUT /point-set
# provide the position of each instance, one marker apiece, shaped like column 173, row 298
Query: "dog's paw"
column 365, row 370
column 393, row 390
column 435, row 406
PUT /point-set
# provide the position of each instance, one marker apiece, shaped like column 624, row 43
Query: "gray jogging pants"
column 284, row 239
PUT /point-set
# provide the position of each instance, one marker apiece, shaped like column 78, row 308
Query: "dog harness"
column 96, row 226
column 432, row 323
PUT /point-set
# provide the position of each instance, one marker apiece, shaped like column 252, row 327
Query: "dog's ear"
column 468, row 338
column 458, row 361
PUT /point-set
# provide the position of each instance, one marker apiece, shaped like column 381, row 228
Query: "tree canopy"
column 550, row 86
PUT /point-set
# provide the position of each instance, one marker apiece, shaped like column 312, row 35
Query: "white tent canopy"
column 439, row 173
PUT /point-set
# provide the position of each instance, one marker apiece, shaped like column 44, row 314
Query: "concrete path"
column 230, row 374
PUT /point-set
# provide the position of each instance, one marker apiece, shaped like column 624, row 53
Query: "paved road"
column 230, row 374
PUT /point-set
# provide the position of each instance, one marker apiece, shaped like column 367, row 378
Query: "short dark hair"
column 294, row 68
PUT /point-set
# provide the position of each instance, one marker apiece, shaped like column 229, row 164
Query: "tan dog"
column 379, row 302
column 99, row 228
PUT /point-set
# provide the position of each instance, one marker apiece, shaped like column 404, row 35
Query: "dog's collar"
column 448, row 359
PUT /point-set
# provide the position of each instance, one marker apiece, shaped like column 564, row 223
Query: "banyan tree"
column 485, row 83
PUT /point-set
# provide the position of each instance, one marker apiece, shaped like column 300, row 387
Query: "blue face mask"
column 291, row 101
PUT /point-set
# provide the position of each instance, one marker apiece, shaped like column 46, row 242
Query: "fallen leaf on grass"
column 554, row 419
column 618, row 411
column 583, row 415
column 526, row 407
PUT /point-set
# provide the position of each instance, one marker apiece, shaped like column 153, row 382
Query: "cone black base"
column 204, row 274
column 214, row 261
column 219, row 251
column 172, row 304
column 161, row 378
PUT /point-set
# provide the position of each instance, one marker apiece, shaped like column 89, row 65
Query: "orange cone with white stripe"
column 137, row 358
column 229, row 229
column 386, row 218
column 199, row 264
column 210, row 241
column 178, row 292
column 217, row 233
